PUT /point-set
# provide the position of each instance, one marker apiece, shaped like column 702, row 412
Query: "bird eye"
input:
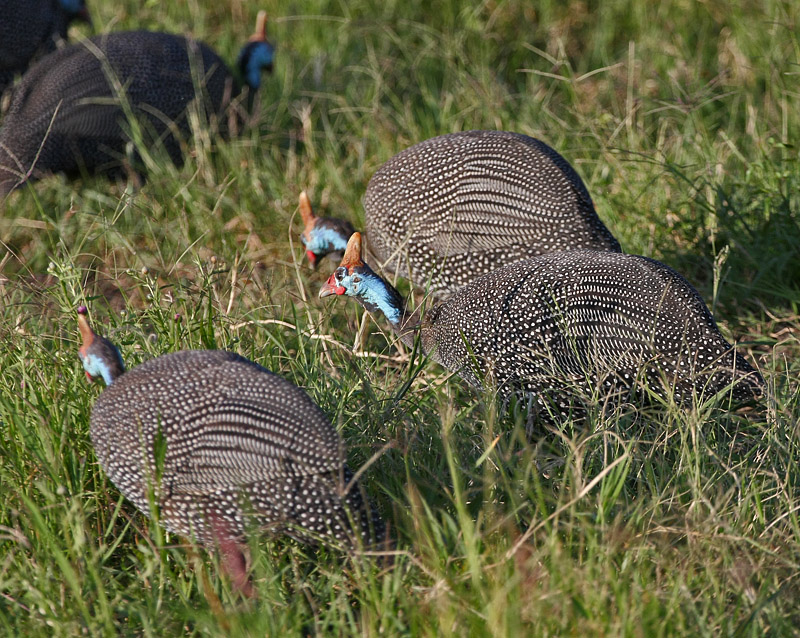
column 340, row 273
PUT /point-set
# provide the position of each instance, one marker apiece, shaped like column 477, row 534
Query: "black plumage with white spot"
column 221, row 446
column 588, row 321
column 72, row 111
column 564, row 326
column 29, row 28
column 464, row 204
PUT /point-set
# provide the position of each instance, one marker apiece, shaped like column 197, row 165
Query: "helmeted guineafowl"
column 322, row 235
column 32, row 27
column 223, row 446
column 71, row 112
column 460, row 205
column 588, row 321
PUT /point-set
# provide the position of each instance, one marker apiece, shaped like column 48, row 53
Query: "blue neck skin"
column 72, row 7
column 375, row 294
column 103, row 359
column 259, row 58
column 326, row 240
column 95, row 366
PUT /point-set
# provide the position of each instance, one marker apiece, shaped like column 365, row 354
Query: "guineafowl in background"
column 32, row 27
column 220, row 446
column 73, row 111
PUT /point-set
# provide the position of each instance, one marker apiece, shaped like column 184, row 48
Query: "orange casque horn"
column 306, row 212
column 352, row 254
column 351, row 259
column 260, row 34
column 87, row 334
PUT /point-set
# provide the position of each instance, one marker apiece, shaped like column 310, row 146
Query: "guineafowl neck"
column 407, row 327
column 380, row 295
column 249, row 101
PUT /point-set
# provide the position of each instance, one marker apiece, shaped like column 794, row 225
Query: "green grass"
column 681, row 117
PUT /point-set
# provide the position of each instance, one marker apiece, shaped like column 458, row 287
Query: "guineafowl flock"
column 531, row 294
column 80, row 108
column 31, row 29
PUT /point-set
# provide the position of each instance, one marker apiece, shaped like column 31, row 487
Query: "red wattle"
column 311, row 257
column 339, row 290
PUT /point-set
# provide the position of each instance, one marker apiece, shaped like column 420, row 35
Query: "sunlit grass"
column 682, row 120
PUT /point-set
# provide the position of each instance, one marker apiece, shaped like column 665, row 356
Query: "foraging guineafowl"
column 589, row 321
column 71, row 112
column 32, row 27
column 222, row 445
column 458, row 206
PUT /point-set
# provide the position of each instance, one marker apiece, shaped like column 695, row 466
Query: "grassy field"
column 683, row 118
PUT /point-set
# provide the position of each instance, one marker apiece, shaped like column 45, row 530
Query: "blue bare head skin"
column 322, row 235
column 100, row 357
column 255, row 58
column 356, row 279
column 324, row 238
column 257, row 55
column 370, row 290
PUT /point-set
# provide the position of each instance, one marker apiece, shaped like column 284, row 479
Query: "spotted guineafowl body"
column 29, row 28
column 71, row 112
column 577, row 323
column 219, row 446
column 457, row 206
column 239, row 443
column 590, row 321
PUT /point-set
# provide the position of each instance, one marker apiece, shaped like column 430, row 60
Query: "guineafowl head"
column 75, row 10
column 99, row 356
column 356, row 279
column 322, row 235
column 257, row 55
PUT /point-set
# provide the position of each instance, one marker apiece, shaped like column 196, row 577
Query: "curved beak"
column 330, row 287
